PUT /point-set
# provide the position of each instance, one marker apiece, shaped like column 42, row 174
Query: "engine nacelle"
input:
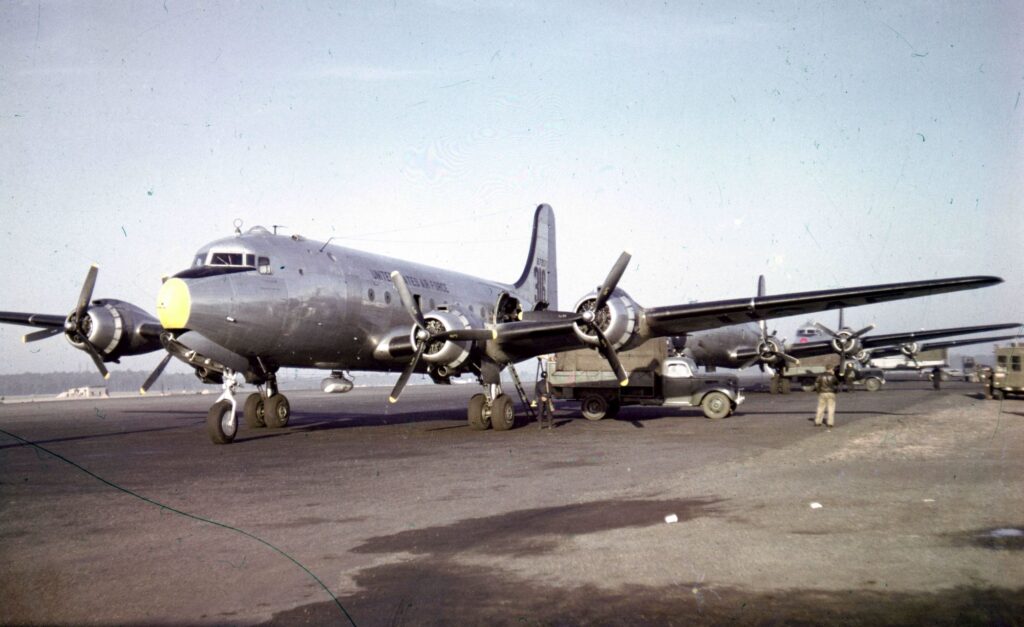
column 910, row 349
column 863, row 356
column 112, row 327
column 445, row 353
column 617, row 319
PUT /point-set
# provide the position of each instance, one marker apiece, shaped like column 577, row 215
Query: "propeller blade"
column 863, row 331
column 155, row 374
column 612, row 280
column 761, row 289
column 95, row 354
column 750, row 362
column 404, row 378
column 609, row 354
column 465, row 335
column 408, row 299
column 86, row 295
column 789, row 359
column 41, row 335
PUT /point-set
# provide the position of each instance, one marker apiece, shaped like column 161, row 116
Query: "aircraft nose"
column 174, row 304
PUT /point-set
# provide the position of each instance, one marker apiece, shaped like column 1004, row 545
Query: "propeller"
column 844, row 341
column 591, row 316
column 770, row 349
column 423, row 335
column 910, row 350
column 76, row 326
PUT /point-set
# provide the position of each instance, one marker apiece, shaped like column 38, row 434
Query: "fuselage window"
column 264, row 265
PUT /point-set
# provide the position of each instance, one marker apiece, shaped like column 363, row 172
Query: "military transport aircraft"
column 256, row 302
column 742, row 346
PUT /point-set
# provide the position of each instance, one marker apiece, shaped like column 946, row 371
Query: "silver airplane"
column 742, row 346
column 257, row 302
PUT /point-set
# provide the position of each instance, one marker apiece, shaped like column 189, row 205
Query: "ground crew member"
column 988, row 379
column 545, row 406
column 936, row 377
column 825, row 385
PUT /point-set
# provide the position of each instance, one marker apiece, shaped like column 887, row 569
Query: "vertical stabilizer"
column 539, row 281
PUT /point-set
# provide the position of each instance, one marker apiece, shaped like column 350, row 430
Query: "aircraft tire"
column 716, row 405
column 503, row 413
column 594, row 406
column 475, row 413
column 253, row 411
column 872, row 384
column 277, row 411
column 220, row 424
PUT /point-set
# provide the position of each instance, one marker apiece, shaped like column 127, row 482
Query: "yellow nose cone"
column 174, row 304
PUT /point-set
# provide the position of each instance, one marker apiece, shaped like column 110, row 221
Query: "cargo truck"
column 656, row 377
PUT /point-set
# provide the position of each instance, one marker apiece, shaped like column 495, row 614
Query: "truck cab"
column 1008, row 377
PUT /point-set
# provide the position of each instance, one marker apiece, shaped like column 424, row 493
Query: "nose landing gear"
column 265, row 408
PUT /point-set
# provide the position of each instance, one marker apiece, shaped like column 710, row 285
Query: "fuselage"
column 717, row 347
column 300, row 303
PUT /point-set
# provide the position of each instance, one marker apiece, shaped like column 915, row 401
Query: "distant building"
column 85, row 392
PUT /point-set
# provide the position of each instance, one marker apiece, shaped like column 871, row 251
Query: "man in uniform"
column 988, row 379
column 825, row 385
column 544, row 403
column 936, row 377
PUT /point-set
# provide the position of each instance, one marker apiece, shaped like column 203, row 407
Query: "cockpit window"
column 200, row 260
column 264, row 265
column 226, row 259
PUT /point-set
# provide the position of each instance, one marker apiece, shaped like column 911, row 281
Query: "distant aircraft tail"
column 539, row 281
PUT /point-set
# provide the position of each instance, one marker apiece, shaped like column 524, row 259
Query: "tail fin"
column 539, row 281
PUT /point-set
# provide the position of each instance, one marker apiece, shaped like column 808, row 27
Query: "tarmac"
column 909, row 511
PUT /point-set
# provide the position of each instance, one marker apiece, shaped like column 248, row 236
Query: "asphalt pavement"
column 120, row 511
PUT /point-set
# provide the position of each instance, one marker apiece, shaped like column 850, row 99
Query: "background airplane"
column 256, row 302
column 742, row 346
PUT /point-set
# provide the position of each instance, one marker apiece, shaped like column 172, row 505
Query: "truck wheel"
column 594, row 407
column 872, row 384
column 716, row 405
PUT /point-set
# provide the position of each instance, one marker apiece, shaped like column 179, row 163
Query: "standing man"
column 988, row 379
column 825, row 385
column 936, row 377
column 544, row 404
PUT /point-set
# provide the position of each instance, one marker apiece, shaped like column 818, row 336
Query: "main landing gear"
column 491, row 409
column 265, row 408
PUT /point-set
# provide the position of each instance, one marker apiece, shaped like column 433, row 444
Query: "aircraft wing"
column 888, row 351
column 872, row 341
column 680, row 319
column 32, row 319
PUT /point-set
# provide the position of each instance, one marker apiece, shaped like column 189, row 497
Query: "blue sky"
column 823, row 145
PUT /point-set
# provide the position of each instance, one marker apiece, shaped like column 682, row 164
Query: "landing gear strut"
column 221, row 421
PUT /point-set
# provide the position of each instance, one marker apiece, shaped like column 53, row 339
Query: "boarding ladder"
column 522, row 393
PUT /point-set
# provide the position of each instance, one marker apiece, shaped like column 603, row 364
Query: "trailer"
column 656, row 377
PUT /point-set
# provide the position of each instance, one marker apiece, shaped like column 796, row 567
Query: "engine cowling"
column 617, row 319
column 909, row 349
column 443, row 353
column 845, row 343
column 113, row 328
